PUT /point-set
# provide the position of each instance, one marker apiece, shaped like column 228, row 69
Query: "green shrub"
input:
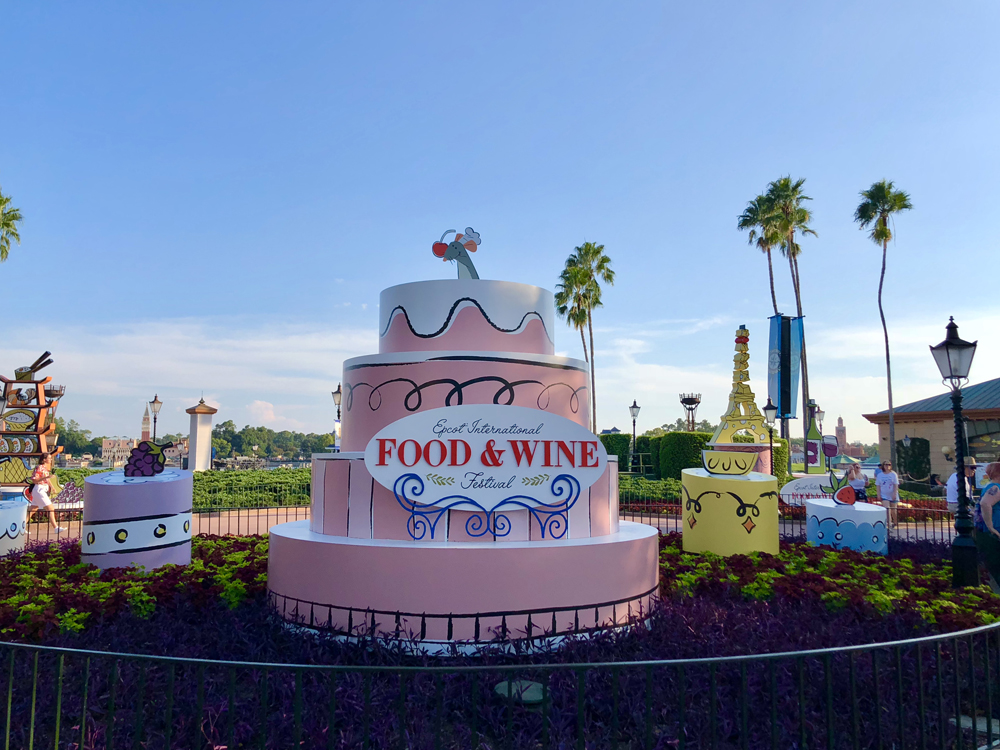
column 76, row 476
column 681, row 450
column 617, row 445
column 744, row 438
column 639, row 488
column 780, row 461
column 654, row 449
column 915, row 461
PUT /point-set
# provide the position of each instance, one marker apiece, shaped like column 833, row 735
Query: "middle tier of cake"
column 382, row 388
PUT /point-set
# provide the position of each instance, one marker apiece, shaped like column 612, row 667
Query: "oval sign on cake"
column 484, row 456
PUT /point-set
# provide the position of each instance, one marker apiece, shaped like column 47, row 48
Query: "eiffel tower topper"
column 742, row 415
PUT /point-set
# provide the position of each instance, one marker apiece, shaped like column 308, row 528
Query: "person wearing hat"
column 952, row 486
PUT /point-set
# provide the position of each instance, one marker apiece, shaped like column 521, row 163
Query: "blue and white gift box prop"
column 861, row 526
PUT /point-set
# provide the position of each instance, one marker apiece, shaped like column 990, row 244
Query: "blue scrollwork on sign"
column 550, row 517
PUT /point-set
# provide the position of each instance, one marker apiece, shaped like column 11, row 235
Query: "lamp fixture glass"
column 906, row 441
column 770, row 412
column 819, row 415
column 953, row 356
column 155, row 405
column 337, row 395
column 634, row 409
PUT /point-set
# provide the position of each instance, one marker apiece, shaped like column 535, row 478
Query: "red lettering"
column 416, row 449
column 587, row 450
column 565, row 451
column 385, row 446
column 547, row 444
column 521, row 450
column 454, row 453
column 427, row 453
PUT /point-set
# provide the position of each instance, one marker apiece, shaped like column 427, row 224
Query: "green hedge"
column 233, row 489
column 681, row 450
column 654, row 449
column 634, row 489
column 617, row 445
column 780, row 461
column 915, row 461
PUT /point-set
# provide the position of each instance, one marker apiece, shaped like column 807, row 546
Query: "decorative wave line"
column 551, row 517
column 451, row 313
column 414, row 398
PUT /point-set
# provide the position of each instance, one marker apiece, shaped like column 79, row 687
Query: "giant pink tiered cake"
column 460, row 570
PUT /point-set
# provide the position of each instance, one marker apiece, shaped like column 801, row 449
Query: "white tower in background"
column 200, row 439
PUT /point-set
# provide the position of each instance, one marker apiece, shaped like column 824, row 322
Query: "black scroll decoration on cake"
column 551, row 518
column 451, row 314
column 504, row 395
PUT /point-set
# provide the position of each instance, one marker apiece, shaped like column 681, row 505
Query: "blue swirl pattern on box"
column 846, row 534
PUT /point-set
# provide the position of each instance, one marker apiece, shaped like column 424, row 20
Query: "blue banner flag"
column 783, row 357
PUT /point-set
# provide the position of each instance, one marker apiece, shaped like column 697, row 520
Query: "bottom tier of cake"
column 441, row 592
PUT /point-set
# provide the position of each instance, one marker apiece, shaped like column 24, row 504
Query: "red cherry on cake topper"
column 440, row 248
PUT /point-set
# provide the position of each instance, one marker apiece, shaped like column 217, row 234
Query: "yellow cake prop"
column 727, row 508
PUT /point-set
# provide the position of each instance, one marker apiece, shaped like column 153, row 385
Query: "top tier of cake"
column 466, row 315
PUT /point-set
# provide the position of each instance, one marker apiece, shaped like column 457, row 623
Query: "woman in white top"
column 888, row 490
column 859, row 482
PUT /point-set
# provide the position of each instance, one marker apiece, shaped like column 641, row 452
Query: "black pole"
column 154, row 426
column 634, row 457
column 964, row 560
column 770, row 447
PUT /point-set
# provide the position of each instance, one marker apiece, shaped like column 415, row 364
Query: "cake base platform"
column 446, row 592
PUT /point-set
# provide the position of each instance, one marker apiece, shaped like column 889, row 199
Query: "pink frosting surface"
column 377, row 396
column 469, row 331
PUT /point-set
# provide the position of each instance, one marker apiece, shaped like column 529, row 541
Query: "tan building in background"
column 931, row 419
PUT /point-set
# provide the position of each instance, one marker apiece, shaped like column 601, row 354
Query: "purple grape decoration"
column 146, row 460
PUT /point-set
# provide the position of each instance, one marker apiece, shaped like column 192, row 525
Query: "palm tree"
column 593, row 268
column 571, row 301
column 878, row 204
column 790, row 216
column 10, row 217
column 759, row 219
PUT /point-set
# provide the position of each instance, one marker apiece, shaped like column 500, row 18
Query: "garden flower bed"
column 837, row 597
column 711, row 607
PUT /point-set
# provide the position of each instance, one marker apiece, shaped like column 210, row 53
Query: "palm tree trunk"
column 888, row 370
column 793, row 263
column 584, row 342
column 593, row 380
column 770, row 275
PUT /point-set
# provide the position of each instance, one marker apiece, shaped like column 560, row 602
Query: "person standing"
column 887, row 483
column 858, row 482
column 41, row 479
column 986, row 523
column 952, row 486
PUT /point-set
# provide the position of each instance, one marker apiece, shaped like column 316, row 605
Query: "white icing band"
column 136, row 534
column 119, row 478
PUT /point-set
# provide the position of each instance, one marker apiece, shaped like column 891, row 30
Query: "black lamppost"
column 155, row 404
column 337, row 395
column 954, row 359
column 634, row 411
column 770, row 414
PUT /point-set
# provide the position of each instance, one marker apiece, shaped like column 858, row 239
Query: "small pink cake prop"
column 470, row 500
column 137, row 520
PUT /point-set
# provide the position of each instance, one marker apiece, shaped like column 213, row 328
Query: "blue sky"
column 214, row 194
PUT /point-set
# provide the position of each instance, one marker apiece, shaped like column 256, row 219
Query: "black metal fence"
column 937, row 692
